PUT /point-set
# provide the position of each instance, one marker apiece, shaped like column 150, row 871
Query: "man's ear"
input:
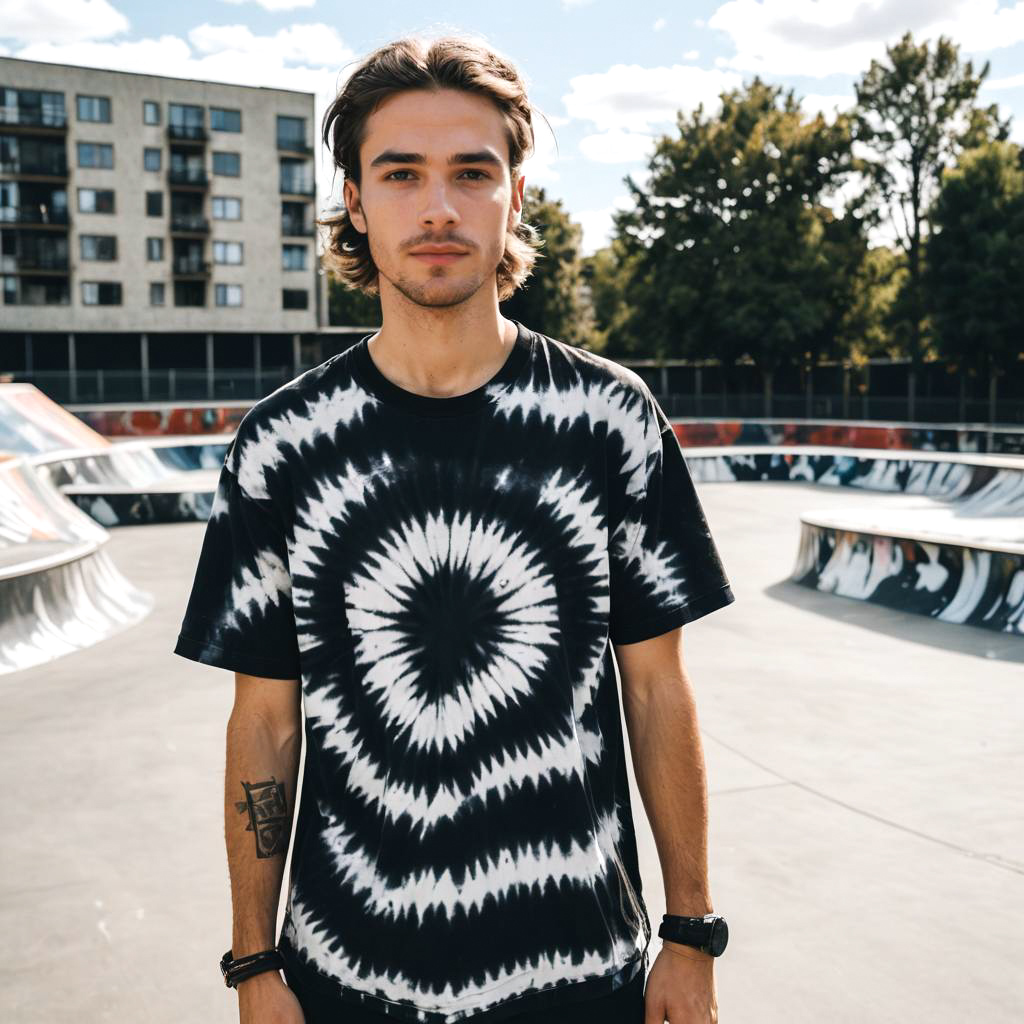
column 350, row 193
column 515, row 210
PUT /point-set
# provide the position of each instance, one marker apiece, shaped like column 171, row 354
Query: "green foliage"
column 975, row 267
column 731, row 249
column 349, row 307
column 915, row 112
column 552, row 299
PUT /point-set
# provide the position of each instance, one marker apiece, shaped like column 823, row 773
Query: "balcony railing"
column 296, row 228
column 16, row 116
column 53, row 168
column 297, row 187
column 189, row 224
column 41, row 261
column 294, row 145
column 187, row 132
column 190, row 266
column 188, row 176
column 33, row 215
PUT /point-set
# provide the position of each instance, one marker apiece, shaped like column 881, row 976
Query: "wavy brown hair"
column 451, row 62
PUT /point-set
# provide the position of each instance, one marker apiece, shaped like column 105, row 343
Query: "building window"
column 227, row 252
column 296, row 177
column 294, row 298
column 151, row 159
column 293, row 257
column 189, row 293
column 150, row 112
column 98, row 247
column 101, row 293
column 291, row 133
column 94, row 108
column 95, row 154
column 154, row 204
column 157, row 293
column 223, row 120
column 95, row 200
column 227, row 208
column 228, row 164
column 154, row 249
column 228, row 294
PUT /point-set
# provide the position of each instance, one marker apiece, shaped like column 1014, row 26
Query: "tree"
column 732, row 247
column 551, row 300
column 349, row 307
column 975, row 261
column 915, row 113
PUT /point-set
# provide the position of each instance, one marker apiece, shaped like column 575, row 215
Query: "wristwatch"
column 244, row 967
column 710, row 933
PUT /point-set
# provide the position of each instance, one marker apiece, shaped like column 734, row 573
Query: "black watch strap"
column 709, row 934
column 244, row 967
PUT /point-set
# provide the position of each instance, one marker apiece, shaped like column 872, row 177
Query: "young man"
column 430, row 543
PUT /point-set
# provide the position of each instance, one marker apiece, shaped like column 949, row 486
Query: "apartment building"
column 148, row 221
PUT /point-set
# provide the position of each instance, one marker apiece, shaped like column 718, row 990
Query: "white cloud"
column 539, row 168
column 309, row 58
column 633, row 98
column 691, row 55
column 59, row 21
column 810, row 37
column 617, row 146
column 275, row 5
column 659, row 24
column 1009, row 82
column 814, row 103
column 569, row 4
column 597, row 224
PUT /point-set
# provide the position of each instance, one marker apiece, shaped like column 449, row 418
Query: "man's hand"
column 681, row 987
column 266, row 999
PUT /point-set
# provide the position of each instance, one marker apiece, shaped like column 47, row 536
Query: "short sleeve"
column 664, row 567
column 239, row 615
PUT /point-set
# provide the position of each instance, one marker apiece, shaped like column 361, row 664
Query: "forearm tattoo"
column 268, row 816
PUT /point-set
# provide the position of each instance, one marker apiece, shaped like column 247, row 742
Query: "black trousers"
column 623, row 1006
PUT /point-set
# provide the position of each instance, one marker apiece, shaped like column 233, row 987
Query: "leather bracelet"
column 235, row 971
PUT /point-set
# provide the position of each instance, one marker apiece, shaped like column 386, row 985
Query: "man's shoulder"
column 321, row 398
column 619, row 390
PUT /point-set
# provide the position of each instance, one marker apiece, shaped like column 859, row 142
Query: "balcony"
column 187, row 133
column 299, row 146
column 21, row 118
column 294, row 228
column 37, row 216
column 189, row 224
column 298, row 188
column 56, row 168
column 190, row 266
column 188, row 177
column 40, row 262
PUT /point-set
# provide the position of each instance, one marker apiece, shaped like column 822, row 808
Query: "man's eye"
column 483, row 174
column 396, row 172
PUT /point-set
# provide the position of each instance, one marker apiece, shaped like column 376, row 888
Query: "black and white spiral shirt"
column 446, row 576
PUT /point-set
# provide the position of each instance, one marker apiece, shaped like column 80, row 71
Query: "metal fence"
column 177, row 385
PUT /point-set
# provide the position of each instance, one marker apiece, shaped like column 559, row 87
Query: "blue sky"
column 608, row 75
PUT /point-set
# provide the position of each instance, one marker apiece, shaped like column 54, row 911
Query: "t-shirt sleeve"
column 239, row 615
column 664, row 567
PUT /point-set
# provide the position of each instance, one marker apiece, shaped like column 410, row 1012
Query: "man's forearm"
column 668, row 761
column 259, row 802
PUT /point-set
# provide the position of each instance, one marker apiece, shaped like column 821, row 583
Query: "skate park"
column 860, row 709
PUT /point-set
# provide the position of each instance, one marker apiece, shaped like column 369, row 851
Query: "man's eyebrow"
column 392, row 156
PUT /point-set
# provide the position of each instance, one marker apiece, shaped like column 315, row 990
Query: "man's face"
column 413, row 196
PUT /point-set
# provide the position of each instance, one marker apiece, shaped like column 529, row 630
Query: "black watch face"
column 719, row 936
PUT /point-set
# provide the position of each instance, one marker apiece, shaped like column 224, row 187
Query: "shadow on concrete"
column 936, row 633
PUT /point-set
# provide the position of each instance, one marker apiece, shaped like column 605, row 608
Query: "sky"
column 608, row 76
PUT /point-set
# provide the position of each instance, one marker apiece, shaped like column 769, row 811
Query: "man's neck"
column 440, row 352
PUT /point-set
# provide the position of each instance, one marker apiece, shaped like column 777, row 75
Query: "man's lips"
column 438, row 257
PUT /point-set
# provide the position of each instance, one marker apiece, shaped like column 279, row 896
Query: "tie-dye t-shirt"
column 446, row 578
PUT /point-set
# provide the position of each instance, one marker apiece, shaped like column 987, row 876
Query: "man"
column 430, row 544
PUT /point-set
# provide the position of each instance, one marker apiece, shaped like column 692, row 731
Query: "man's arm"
column 668, row 761
column 264, row 738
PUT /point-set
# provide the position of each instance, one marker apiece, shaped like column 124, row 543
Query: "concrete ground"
column 865, row 767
